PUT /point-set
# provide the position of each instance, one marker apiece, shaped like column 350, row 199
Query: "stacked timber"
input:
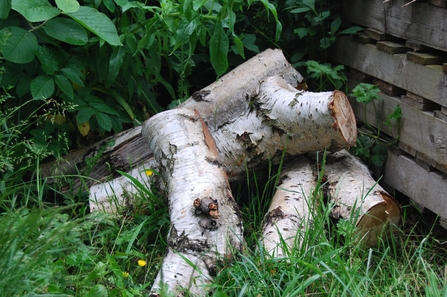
column 403, row 50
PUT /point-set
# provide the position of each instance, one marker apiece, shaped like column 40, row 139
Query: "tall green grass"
column 52, row 251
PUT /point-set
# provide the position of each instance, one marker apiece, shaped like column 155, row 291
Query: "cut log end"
column 379, row 221
column 344, row 119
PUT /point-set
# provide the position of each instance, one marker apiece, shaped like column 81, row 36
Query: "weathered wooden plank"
column 418, row 22
column 427, row 81
column 419, row 131
column 426, row 188
column 375, row 34
column 425, row 58
column 391, row 47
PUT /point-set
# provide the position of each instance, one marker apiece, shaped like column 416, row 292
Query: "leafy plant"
column 317, row 28
column 371, row 147
column 326, row 76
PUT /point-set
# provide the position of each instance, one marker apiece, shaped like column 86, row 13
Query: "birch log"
column 290, row 213
column 282, row 118
column 205, row 220
column 357, row 195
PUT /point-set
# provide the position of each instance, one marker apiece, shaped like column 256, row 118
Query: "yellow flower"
column 141, row 263
column 125, row 274
column 148, row 172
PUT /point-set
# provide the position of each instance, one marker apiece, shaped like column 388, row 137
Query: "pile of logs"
column 246, row 119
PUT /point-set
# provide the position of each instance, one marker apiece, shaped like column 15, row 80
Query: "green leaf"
column 67, row 5
column 300, row 10
column 395, row 115
column 302, row 32
column 47, row 60
column 42, row 87
column 84, row 114
column 97, row 23
column 73, row 74
column 120, row 99
column 66, row 30
column 335, row 25
column 249, row 42
column 185, row 30
column 366, row 93
column 64, row 84
column 351, row 30
column 104, row 121
column 20, row 46
column 35, row 10
column 219, row 49
column 239, row 46
column 97, row 291
column 272, row 8
column 99, row 105
column 109, row 4
column 115, row 63
column 379, row 155
column 5, row 7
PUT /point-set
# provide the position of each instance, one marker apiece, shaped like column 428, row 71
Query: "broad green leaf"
column 42, row 87
column 35, row 10
column 104, row 120
column 185, row 30
column 20, row 46
column 115, row 63
column 5, row 7
column 219, row 49
column 73, row 74
column 67, row 5
column 121, row 3
column 97, row 291
column 187, row 11
column 98, row 23
column 335, row 25
column 64, row 84
column 99, row 105
column 47, row 60
column 66, row 30
column 110, row 5
column 84, row 115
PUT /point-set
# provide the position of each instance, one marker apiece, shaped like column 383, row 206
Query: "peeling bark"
column 290, row 213
column 205, row 220
column 356, row 193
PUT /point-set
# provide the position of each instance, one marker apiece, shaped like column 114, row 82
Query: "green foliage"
column 327, row 77
column 371, row 148
column 134, row 57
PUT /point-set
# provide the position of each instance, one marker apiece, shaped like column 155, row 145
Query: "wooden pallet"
column 418, row 23
column 417, row 167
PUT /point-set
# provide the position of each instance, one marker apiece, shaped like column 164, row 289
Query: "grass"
column 50, row 250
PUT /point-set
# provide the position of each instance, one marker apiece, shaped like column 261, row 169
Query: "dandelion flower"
column 148, row 172
column 125, row 274
column 141, row 263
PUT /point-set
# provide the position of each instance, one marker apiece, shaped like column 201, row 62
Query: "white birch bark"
column 205, row 219
column 283, row 118
column 113, row 195
column 357, row 195
column 291, row 213
column 226, row 99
